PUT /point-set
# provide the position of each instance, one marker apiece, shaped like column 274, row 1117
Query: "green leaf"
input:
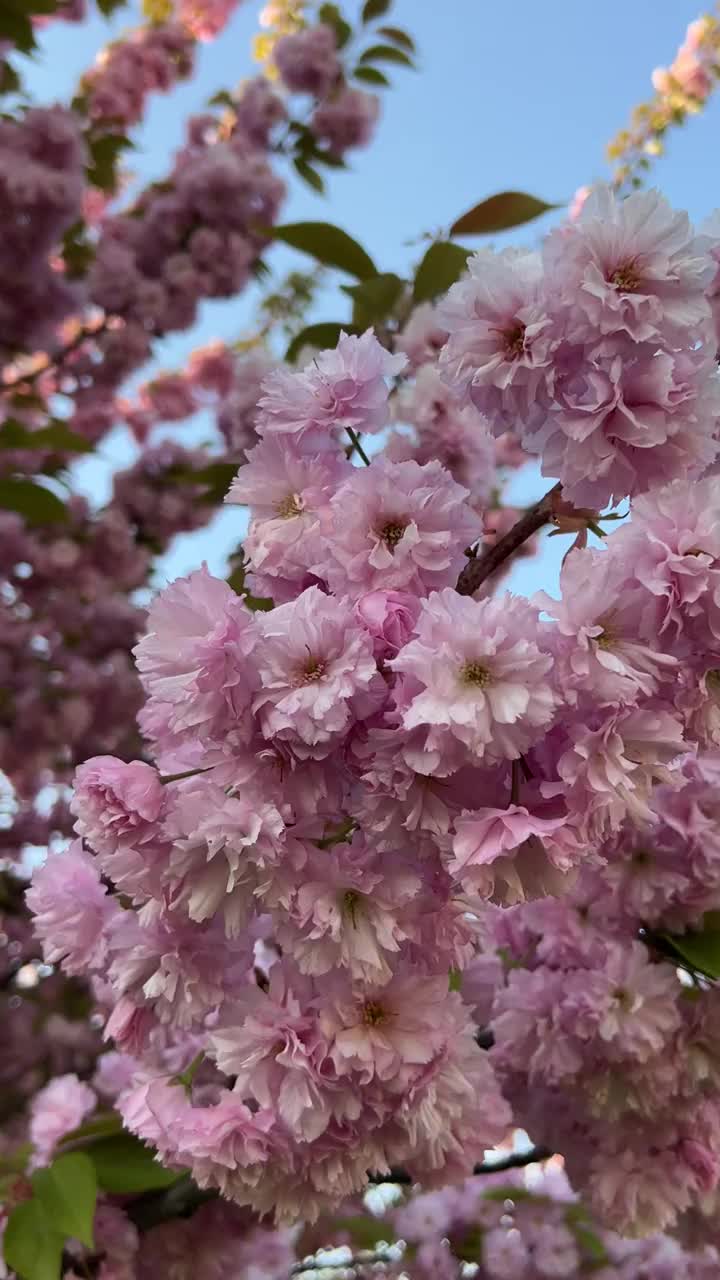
column 366, row 1232
column 77, row 251
column 31, row 1247
column 258, row 604
column 371, row 75
column 13, row 435
column 386, row 53
column 320, row 336
column 308, row 174
column 15, row 25
column 699, row 948
column 105, row 151
column 332, row 17
column 375, row 298
column 499, row 213
column 124, row 1165
column 328, row 244
column 67, row 1192
column 9, row 79
column 454, row 980
column 375, row 9
column 442, row 265
column 223, row 98
column 108, row 7
column 399, row 36
column 591, row 1244
column 218, row 476
column 37, row 504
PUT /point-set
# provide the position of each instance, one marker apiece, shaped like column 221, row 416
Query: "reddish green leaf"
column 499, row 213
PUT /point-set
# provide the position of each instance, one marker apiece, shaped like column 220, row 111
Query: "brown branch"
column 515, row 1160
column 54, row 361
column 481, row 567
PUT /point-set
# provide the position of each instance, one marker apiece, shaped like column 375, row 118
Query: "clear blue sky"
column 509, row 95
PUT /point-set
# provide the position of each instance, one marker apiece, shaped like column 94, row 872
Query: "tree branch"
column 515, row 1160
column 55, row 361
column 481, row 567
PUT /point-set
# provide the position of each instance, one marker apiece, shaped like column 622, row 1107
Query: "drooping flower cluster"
column 600, row 351
column 151, row 60
column 307, row 61
column 42, row 160
column 400, row 870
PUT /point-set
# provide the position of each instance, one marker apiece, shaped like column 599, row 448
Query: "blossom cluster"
column 42, row 159
column 599, row 351
column 394, row 873
column 308, row 62
column 151, row 60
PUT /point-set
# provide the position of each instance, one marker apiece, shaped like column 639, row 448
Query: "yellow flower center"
column 392, row 532
column 626, row 278
column 313, row 670
column 350, row 902
column 515, row 340
column 474, row 673
column 289, row 507
column 373, row 1013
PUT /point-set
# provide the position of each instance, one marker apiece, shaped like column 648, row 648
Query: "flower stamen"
column 289, row 507
column 474, row 673
column 392, row 533
column 625, row 278
column 313, row 670
column 373, row 1013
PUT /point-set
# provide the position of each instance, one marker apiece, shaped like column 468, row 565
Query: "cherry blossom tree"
column 376, row 928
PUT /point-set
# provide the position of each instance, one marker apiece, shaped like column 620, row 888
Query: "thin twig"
column 357, row 445
column 516, row 1160
column 481, row 567
column 56, row 361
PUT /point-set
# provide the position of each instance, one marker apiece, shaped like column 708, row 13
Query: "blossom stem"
column 515, row 784
column 357, row 445
column 178, row 777
column 479, row 568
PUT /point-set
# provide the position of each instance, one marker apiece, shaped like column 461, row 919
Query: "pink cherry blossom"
column 72, row 909
column 476, row 678
column 114, row 802
column 397, row 527
column 56, row 1110
column 317, row 673
column 631, row 266
column 501, row 336
column 603, row 615
column 193, row 661
column 492, row 848
column 220, row 842
column 286, row 492
column 342, row 388
column 389, row 617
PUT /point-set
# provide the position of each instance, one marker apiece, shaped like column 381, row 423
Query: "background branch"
column 481, row 567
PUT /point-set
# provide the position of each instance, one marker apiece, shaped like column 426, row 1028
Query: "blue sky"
column 509, row 95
